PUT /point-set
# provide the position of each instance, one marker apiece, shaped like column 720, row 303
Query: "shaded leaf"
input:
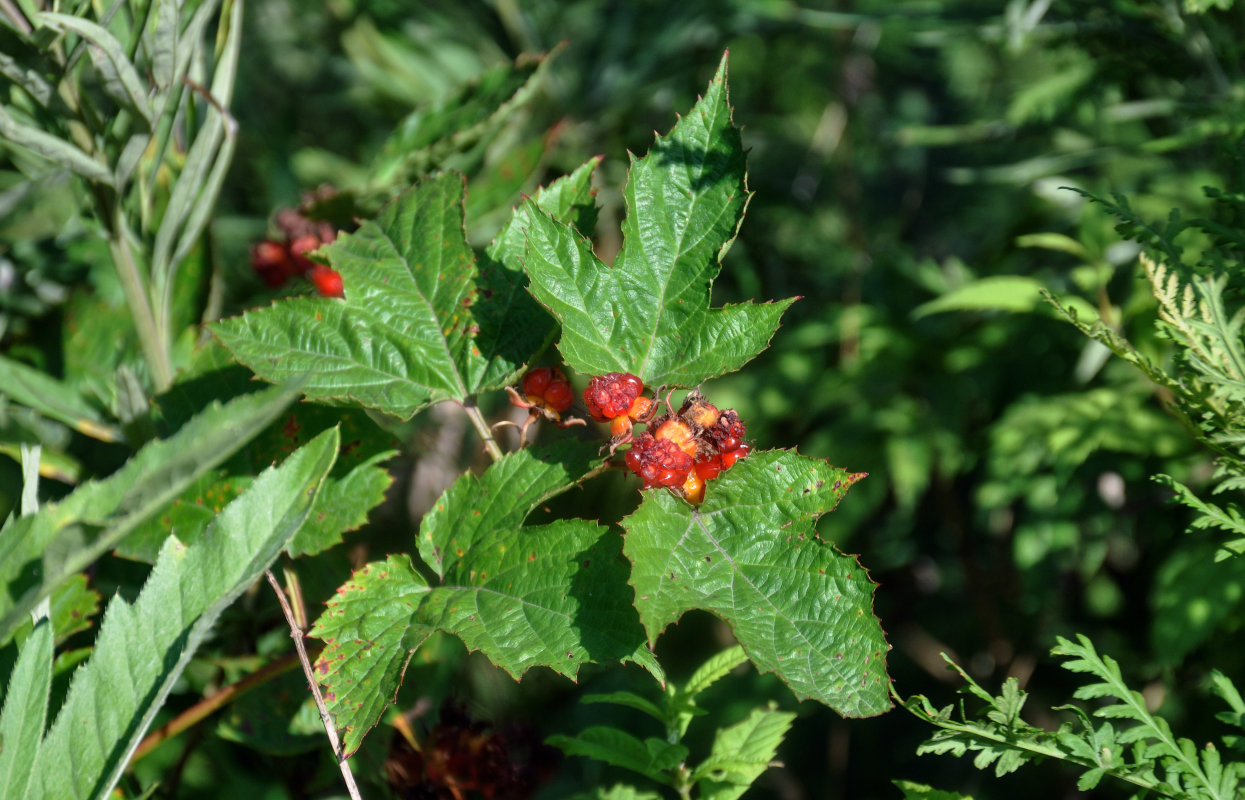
column 738, row 554
column 54, row 149
column 653, row 758
column 120, row 79
column 741, row 753
column 51, row 398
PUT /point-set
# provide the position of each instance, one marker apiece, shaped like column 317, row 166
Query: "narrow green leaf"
column 649, row 314
column 741, row 753
column 120, row 78
column 143, row 648
column 20, row 71
column 714, row 670
column 629, row 700
column 369, row 635
column 742, row 554
column 164, row 42
column 653, row 758
column 56, row 150
column 920, row 791
column 24, row 713
column 37, row 390
column 41, row 552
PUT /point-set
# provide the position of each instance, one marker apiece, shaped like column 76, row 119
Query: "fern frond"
column 1198, row 775
column 1227, row 518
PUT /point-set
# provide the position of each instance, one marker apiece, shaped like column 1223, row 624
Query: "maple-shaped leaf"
column 417, row 324
column 368, row 636
column 649, row 313
column 750, row 555
column 551, row 595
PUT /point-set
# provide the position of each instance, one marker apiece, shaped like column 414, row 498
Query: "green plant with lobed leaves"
column 426, row 318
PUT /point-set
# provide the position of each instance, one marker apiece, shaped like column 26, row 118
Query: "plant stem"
column 482, row 428
column 296, row 633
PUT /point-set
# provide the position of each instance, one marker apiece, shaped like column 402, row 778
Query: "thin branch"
column 296, row 633
column 482, row 428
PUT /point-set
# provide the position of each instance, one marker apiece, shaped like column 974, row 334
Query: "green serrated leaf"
column 40, row 552
column 24, row 712
column 649, row 314
column 738, row 556
column 500, row 499
column 741, row 753
column 143, row 648
column 653, row 758
column 714, row 670
column 554, row 595
column 369, row 635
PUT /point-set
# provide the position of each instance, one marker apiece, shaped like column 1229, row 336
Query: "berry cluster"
column 616, row 398
column 680, row 451
column 277, row 261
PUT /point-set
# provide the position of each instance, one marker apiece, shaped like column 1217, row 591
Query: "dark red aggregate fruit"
column 727, row 432
column 559, row 396
column 658, row 462
column 612, row 395
column 731, row 456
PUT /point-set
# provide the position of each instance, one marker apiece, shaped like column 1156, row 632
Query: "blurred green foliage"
column 903, row 155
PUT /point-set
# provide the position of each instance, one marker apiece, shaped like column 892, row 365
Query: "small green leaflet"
column 419, row 322
column 649, row 314
column 750, row 555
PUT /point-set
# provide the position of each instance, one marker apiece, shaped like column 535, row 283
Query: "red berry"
column 727, row 433
column 709, row 467
column 612, row 395
column 271, row 261
column 299, row 248
column 537, row 380
column 659, row 462
column 558, row 396
column 328, row 281
column 731, row 456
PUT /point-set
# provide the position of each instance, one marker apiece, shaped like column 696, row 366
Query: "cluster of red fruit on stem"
column 679, row 450
column 278, row 260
